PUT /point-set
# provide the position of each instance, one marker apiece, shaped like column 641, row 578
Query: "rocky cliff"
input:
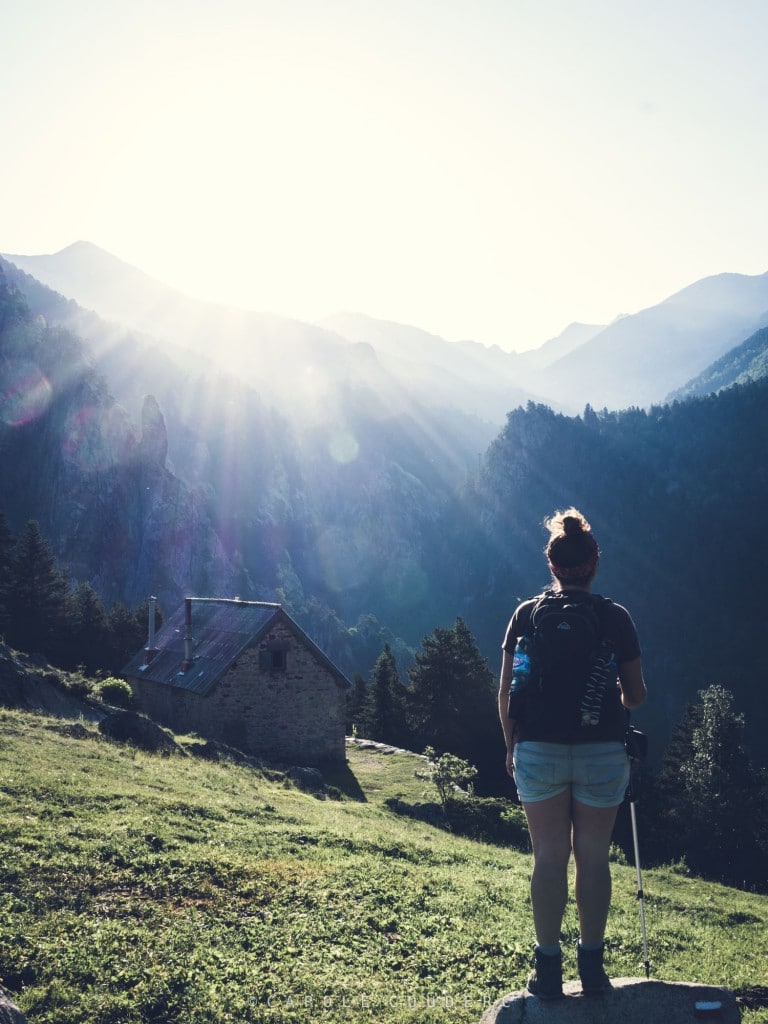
column 99, row 487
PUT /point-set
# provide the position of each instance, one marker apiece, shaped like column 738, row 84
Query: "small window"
column 273, row 659
column 279, row 660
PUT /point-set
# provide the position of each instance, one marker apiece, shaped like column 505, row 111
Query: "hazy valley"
column 380, row 480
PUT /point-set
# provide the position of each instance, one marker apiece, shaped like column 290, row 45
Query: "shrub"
column 117, row 692
column 79, row 687
column 488, row 819
column 449, row 773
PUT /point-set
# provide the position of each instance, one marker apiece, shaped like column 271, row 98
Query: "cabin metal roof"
column 221, row 630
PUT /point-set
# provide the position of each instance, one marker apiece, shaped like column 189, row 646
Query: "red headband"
column 575, row 572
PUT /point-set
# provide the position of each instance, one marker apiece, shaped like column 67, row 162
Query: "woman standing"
column 570, row 768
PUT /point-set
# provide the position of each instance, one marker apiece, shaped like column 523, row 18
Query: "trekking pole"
column 640, row 895
column 637, row 744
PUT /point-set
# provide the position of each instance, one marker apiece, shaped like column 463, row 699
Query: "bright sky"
column 486, row 169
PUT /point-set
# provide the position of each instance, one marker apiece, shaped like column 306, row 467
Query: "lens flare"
column 25, row 393
column 343, row 447
column 346, row 557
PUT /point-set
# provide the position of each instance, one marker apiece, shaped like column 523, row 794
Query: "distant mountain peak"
column 718, row 290
column 573, row 337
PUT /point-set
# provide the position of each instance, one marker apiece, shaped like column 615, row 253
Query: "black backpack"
column 571, row 661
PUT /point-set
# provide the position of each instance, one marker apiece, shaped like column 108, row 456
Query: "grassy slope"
column 140, row 888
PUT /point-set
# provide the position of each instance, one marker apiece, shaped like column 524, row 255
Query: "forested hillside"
column 746, row 362
column 676, row 496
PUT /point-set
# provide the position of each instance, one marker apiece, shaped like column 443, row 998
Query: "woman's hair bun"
column 572, row 525
column 569, row 523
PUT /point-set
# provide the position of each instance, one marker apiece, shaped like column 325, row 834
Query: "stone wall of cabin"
column 296, row 714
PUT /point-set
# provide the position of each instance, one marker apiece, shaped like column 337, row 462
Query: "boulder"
column 130, row 727
column 9, row 1011
column 629, row 1001
column 213, row 750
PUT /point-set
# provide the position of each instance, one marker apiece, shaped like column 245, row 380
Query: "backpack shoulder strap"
column 545, row 597
column 601, row 605
column 533, row 605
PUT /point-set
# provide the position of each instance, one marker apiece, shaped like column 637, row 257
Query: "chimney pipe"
column 187, row 663
column 150, row 650
column 152, row 608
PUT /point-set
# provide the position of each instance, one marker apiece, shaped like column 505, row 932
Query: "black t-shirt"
column 619, row 630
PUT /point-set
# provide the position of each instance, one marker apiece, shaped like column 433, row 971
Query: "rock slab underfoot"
column 629, row 1001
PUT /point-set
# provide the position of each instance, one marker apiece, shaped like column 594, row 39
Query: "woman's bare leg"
column 549, row 824
column 592, row 831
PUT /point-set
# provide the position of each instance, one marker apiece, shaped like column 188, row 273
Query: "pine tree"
column 357, row 707
column 7, row 542
column 39, row 595
column 87, row 632
column 125, row 635
column 387, row 702
column 452, row 705
column 709, row 799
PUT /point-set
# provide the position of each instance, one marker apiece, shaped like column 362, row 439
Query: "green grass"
column 137, row 888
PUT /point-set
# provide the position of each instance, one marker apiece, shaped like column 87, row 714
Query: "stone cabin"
column 245, row 674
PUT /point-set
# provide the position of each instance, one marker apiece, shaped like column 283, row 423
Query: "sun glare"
column 25, row 393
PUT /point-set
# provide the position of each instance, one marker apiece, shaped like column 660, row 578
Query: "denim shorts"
column 596, row 773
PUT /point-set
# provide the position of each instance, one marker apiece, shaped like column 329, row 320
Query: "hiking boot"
column 546, row 978
column 593, row 976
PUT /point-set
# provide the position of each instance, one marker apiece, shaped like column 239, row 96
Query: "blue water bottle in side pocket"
column 522, row 671
column 521, row 664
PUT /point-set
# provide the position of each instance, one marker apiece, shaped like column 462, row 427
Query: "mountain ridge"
column 629, row 362
column 637, row 360
column 256, row 343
